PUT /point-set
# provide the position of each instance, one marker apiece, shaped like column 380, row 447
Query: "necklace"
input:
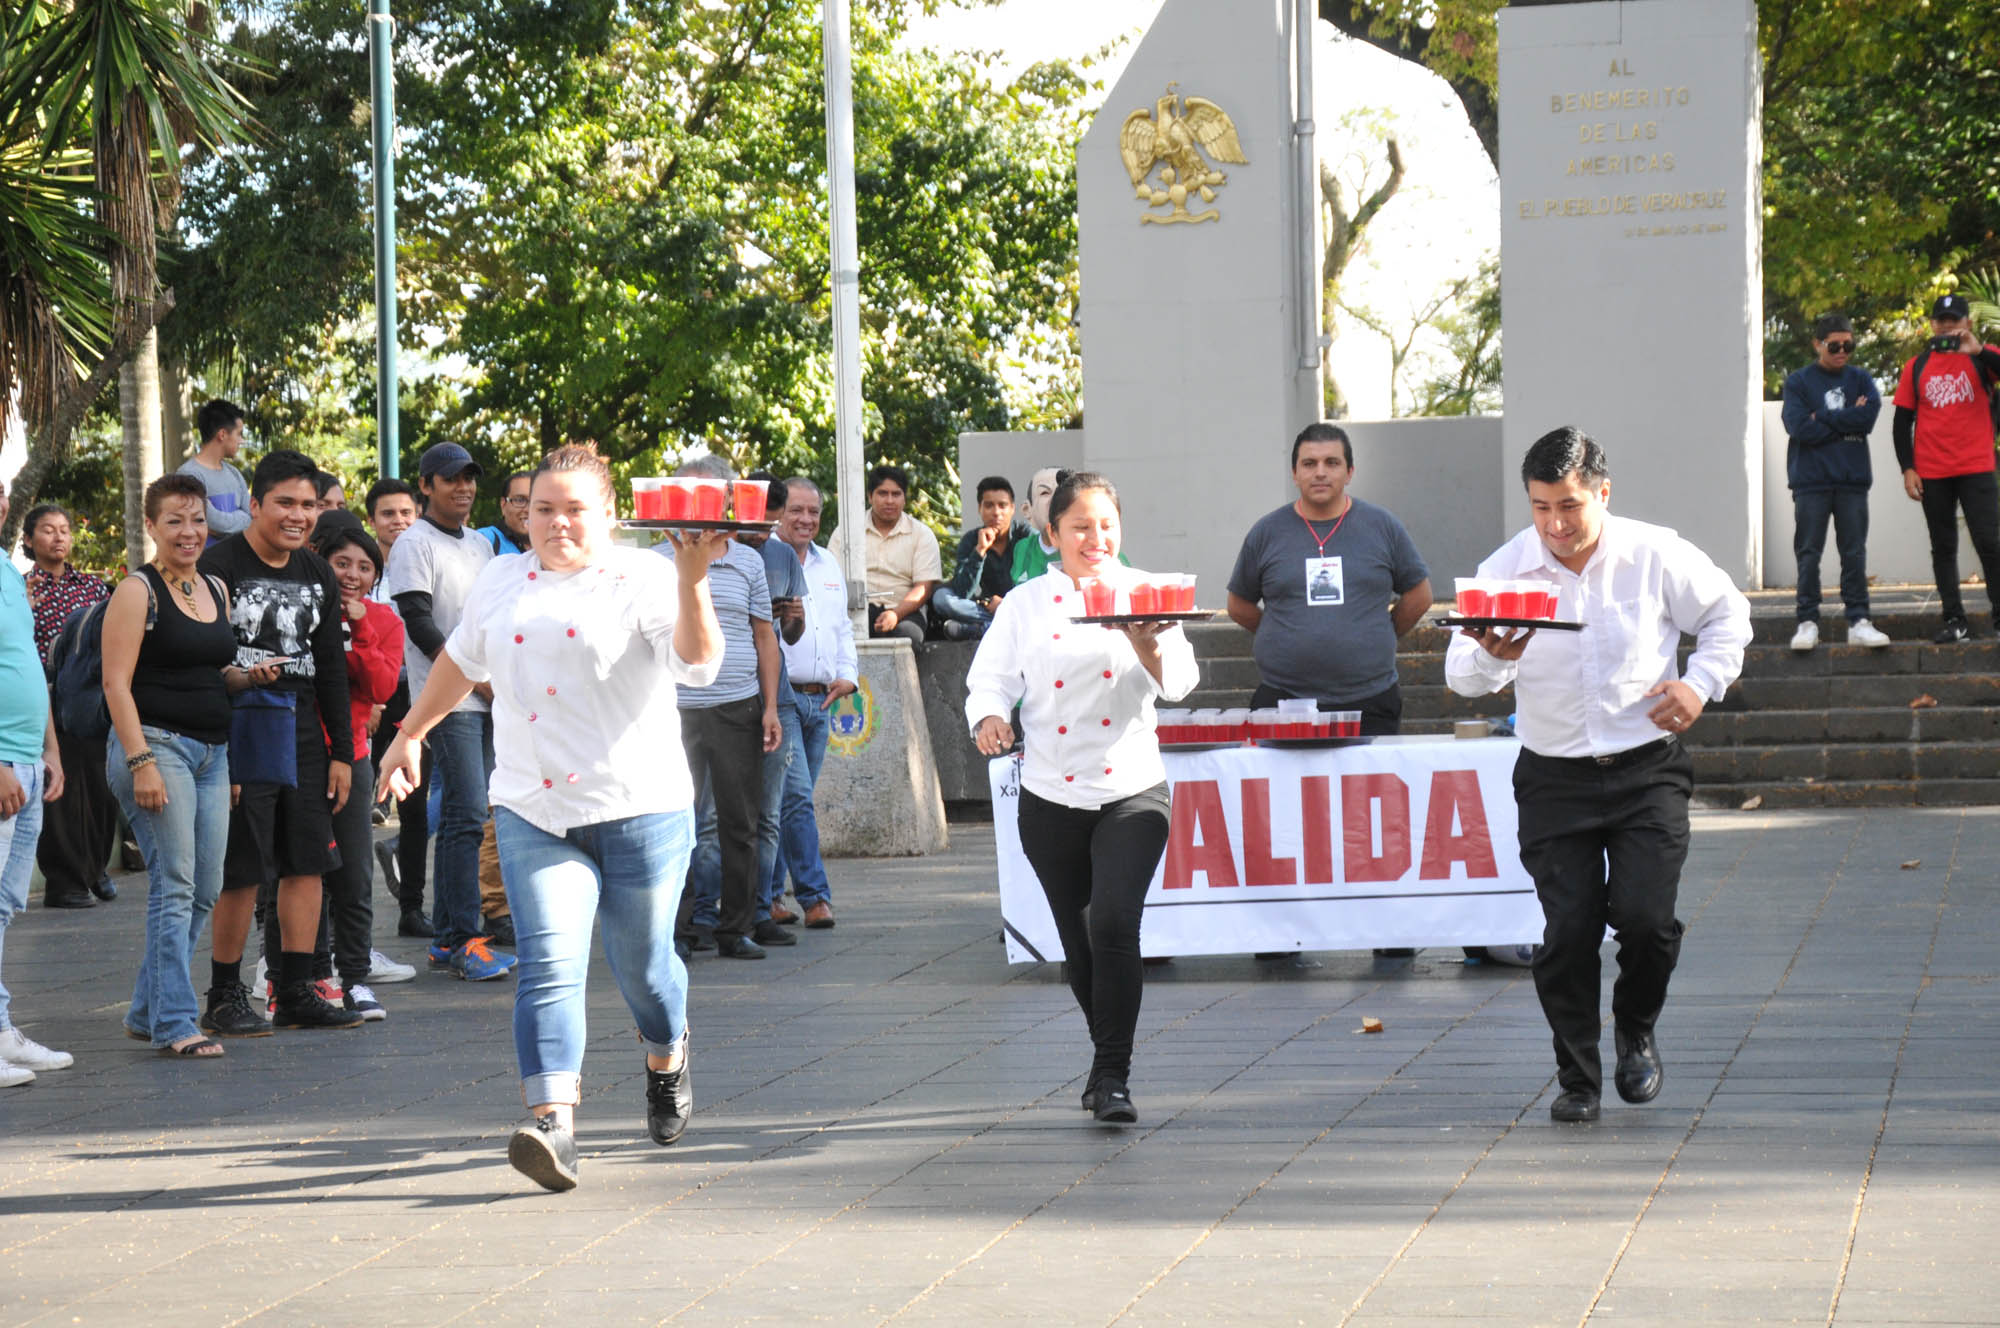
column 186, row 589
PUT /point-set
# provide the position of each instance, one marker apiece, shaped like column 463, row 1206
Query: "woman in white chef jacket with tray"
column 1094, row 806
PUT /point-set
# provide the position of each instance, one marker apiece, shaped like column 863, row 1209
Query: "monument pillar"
column 1191, row 283
column 1630, row 242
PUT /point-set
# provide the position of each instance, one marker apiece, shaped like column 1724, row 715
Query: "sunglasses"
column 1839, row 347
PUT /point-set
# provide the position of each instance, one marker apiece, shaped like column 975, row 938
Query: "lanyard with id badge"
column 1325, row 584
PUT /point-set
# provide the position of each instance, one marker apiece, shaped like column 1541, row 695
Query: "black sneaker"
column 1091, row 1095
column 1954, row 631
column 500, row 931
column 669, row 1100
column 414, row 923
column 1114, row 1103
column 230, row 1014
column 545, row 1153
column 768, row 932
column 300, row 1006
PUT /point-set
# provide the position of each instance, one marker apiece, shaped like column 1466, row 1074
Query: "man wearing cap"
column 431, row 571
column 1944, row 443
column 1830, row 405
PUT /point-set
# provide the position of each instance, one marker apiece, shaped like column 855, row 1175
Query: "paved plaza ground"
column 887, row 1130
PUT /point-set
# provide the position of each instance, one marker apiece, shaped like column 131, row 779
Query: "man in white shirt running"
column 1603, row 781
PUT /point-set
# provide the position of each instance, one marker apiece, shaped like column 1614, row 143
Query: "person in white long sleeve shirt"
column 1603, row 781
column 583, row 643
column 1094, row 804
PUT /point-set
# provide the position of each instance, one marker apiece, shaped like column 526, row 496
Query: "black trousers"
column 347, row 901
column 725, row 752
column 413, row 814
column 1979, row 497
column 1605, row 844
column 77, row 828
column 1094, row 866
column 1381, row 714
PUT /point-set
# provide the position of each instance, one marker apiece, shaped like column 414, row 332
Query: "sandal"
column 200, row 1049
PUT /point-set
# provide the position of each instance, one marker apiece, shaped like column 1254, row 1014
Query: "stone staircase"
column 1831, row 728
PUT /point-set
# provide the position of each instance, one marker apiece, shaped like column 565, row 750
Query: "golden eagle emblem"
column 1171, row 141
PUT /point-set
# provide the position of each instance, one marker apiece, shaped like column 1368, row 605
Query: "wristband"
column 139, row 759
column 406, row 733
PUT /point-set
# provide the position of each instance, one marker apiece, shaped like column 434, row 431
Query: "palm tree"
column 138, row 79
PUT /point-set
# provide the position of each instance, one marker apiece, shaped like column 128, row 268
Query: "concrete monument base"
column 878, row 791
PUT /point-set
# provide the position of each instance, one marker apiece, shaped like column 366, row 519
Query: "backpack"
column 76, row 665
column 1992, row 390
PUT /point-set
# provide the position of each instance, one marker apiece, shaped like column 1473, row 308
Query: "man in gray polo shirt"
column 1326, row 584
column 727, row 727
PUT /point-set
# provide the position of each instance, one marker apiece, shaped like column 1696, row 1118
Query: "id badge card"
column 1324, row 583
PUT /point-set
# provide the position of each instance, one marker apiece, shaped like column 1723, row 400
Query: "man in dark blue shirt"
column 1830, row 406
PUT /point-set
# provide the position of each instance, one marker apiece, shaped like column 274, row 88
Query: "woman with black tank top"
column 168, row 759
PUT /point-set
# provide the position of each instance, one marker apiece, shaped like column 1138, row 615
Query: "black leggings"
column 1094, row 866
column 1979, row 497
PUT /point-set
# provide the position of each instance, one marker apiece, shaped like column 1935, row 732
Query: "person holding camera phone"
column 1944, row 442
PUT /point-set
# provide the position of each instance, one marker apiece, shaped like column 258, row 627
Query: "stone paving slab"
column 887, row 1130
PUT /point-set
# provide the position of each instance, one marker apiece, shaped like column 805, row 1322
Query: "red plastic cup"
column 1507, row 604
column 1549, row 609
column 711, row 499
column 1475, row 603
column 1099, row 599
column 676, row 500
column 1534, row 604
column 648, row 499
column 1143, row 598
column 753, row 497
column 1347, row 723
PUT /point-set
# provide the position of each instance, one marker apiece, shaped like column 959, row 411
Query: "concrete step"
column 1853, row 793
column 1847, row 761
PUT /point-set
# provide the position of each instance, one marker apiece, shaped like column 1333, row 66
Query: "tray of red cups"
column 1485, row 604
column 699, row 503
column 1157, row 599
column 1196, row 730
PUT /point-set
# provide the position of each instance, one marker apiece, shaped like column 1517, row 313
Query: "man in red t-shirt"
column 1944, row 443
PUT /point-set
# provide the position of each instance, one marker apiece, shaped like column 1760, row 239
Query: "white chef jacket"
column 824, row 652
column 1086, row 701
column 1584, row 693
column 585, row 723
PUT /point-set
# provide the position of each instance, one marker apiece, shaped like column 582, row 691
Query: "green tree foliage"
column 614, row 227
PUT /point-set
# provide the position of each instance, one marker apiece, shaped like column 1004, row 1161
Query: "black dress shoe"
column 78, row 899
column 1114, row 1103
column 105, row 889
column 414, row 923
column 669, row 1100
column 1639, row 1073
column 1575, row 1107
column 545, row 1153
column 770, row 933
column 701, row 938
column 738, row 947
column 500, row 931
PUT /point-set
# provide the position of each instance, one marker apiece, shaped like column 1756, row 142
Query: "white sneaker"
column 383, row 970
column 1806, row 637
column 18, row 1048
column 260, row 986
column 13, row 1076
column 1861, row 632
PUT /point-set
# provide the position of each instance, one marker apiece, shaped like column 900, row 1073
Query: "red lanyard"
column 1331, row 533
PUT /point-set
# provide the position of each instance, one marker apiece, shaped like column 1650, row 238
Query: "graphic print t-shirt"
column 1954, row 434
column 291, row 611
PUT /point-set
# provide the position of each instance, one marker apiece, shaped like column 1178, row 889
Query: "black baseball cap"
column 446, row 459
column 1951, row 306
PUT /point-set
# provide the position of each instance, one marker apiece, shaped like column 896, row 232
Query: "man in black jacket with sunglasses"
column 1830, row 407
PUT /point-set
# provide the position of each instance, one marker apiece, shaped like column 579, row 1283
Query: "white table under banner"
column 1394, row 842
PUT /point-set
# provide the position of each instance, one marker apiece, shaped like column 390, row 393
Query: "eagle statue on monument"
column 1173, row 140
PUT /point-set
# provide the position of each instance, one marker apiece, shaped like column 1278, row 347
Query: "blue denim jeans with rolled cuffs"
column 462, row 766
column 182, row 844
column 18, row 834
column 630, row 873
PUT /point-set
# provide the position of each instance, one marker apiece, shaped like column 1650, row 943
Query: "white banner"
column 1398, row 843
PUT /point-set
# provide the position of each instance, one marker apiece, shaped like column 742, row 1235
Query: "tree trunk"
column 175, row 410
column 139, row 416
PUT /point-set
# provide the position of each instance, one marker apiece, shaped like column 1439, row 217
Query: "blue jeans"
column 182, row 844
column 1848, row 509
column 806, row 733
column 952, row 607
column 18, row 834
column 462, row 748
column 630, row 871
column 777, row 767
